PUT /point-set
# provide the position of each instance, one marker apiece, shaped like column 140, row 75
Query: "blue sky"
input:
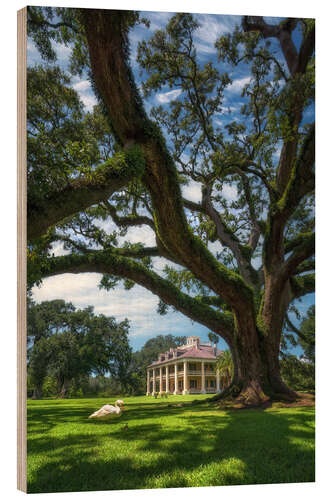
column 138, row 304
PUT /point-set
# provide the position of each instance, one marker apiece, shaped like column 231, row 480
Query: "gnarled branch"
column 107, row 262
column 78, row 195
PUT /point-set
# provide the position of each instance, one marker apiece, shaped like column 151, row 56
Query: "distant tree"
column 75, row 343
column 225, row 367
column 43, row 320
column 213, row 338
column 299, row 372
column 307, row 337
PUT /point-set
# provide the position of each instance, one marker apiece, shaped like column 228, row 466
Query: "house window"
column 212, row 383
column 193, row 384
column 192, row 366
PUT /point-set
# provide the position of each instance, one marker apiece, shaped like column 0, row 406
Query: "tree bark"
column 255, row 356
column 256, row 353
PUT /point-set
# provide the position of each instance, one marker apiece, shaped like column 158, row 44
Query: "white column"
column 218, row 381
column 185, row 389
column 176, row 379
column 148, row 382
column 167, row 379
column 203, row 378
column 161, row 382
column 154, row 381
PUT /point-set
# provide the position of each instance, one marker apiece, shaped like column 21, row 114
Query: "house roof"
column 203, row 351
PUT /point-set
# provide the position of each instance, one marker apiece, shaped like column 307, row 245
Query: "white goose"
column 108, row 411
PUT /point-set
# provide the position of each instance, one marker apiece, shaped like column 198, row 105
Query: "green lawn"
column 165, row 447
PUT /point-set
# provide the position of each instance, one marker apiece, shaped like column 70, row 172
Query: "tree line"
column 74, row 353
column 66, row 345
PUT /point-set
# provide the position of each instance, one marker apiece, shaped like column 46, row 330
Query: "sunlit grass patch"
column 156, row 444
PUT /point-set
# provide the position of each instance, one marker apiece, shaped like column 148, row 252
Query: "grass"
column 165, row 446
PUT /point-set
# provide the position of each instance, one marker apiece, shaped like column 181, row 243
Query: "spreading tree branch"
column 129, row 221
column 227, row 237
column 107, row 262
column 80, row 194
column 298, row 331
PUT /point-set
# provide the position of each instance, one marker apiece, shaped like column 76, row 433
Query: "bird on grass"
column 108, row 412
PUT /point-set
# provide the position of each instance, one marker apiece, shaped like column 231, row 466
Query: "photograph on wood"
column 166, row 177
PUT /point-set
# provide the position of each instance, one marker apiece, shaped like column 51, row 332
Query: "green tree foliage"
column 68, row 344
column 307, row 341
column 225, row 367
column 264, row 236
column 213, row 337
column 299, row 372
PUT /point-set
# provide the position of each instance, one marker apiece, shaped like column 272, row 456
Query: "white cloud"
column 138, row 304
column 137, row 234
column 238, row 84
column 192, row 191
column 141, row 234
column 83, row 88
column 33, row 55
column 58, row 249
column 63, row 53
column 227, row 110
column 166, row 97
column 229, row 192
column 212, row 27
column 205, row 48
column 82, row 289
column 89, row 101
column 214, row 247
column 158, row 20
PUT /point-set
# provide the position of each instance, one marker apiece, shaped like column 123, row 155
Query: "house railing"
column 189, row 372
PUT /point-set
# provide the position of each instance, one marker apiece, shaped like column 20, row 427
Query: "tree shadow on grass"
column 247, row 447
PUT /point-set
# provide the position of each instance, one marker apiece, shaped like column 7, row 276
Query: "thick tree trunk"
column 256, row 378
column 276, row 302
column 249, row 383
column 250, row 375
column 257, row 375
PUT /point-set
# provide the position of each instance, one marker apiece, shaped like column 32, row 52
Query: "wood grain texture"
column 21, row 249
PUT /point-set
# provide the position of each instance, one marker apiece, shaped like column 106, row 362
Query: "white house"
column 188, row 369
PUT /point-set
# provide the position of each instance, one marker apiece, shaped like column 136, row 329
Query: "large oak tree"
column 267, row 154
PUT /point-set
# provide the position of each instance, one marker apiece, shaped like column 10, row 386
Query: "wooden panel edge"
column 21, row 249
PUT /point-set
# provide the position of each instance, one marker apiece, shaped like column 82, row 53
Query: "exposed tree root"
column 251, row 395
